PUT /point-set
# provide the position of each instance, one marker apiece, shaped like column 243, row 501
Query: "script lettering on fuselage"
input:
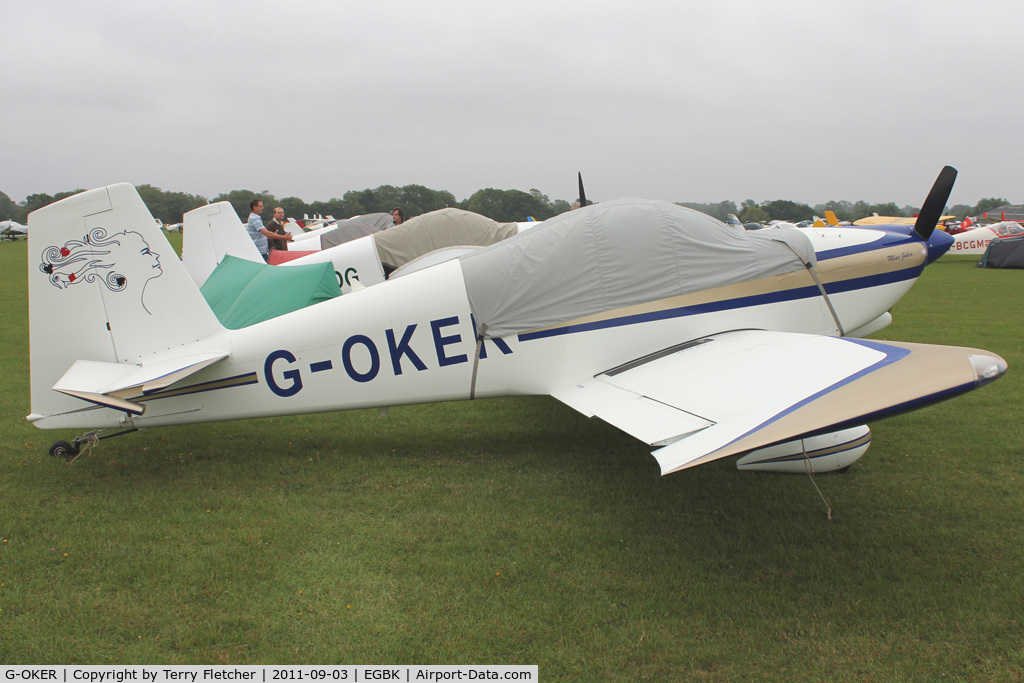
column 900, row 257
column 362, row 361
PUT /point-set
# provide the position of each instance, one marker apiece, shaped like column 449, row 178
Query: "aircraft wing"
column 736, row 391
column 875, row 220
column 115, row 385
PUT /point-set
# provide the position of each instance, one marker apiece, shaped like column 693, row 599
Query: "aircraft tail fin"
column 210, row 233
column 104, row 286
column 830, row 216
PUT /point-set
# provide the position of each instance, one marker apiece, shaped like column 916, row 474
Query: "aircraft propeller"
column 934, row 204
column 583, row 195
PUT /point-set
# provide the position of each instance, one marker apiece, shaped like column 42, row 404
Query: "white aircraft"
column 700, row 340
column 339, row 231
column 733, row 220
column 781, row 224
column 976, row 240
column 317, row 221
column 305, row 237
column 11, row 230
column 362, row 252
column 214, row 231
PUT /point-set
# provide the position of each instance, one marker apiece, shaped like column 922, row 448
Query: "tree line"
column 500, row 205
column 784, row 210
column 168, row 207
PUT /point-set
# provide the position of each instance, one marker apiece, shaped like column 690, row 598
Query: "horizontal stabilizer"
column 116, row 385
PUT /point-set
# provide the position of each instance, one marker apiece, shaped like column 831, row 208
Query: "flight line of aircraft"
column 969, row 239
column 698, row 339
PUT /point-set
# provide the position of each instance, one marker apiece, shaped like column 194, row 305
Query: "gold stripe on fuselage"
column 853, row 266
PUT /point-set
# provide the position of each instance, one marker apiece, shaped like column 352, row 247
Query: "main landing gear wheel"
column 64, row 449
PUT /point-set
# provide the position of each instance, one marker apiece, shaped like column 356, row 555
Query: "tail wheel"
column 63, row 449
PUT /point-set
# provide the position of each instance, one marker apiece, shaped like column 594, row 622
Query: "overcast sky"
column 684, row 101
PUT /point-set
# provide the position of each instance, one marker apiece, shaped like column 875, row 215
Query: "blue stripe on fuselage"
column 874, row 280
column 730, row 304
column 892, row 236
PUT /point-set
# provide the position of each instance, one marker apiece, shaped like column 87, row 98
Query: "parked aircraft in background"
column 976, row 240
column 875, row 219
column 364, row 250
column 735, row 222
column 316, row 222
column 966, row 224
column 11, row 230
column 698, row 339
column 294, row 228
column 830, row 219
column 214, row 231
column 781, row 224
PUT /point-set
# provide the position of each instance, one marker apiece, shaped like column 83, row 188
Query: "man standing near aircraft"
column 259, row 233
column 276, row 227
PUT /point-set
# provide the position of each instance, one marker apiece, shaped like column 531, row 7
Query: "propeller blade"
column 583, row 195
column 933, row 205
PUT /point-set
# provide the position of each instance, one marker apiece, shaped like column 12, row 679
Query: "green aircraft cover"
column 243, row 293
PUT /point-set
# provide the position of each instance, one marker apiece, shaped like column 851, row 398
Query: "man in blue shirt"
column 259, row 233
column 255, row 228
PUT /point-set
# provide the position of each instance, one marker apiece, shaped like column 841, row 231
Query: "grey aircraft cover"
column 616, row 254
column 437, row 230
column 1004, row 253
column 353, row 228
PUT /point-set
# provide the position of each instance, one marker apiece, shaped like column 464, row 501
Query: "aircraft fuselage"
column 413, row 339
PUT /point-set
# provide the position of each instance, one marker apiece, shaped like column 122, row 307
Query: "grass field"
column 516, row 531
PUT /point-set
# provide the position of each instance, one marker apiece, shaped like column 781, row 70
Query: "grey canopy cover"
column 437, row 230
column 617, row 254
column 353, row 228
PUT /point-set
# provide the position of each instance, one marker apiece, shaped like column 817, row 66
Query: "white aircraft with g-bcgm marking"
column 700, row 340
